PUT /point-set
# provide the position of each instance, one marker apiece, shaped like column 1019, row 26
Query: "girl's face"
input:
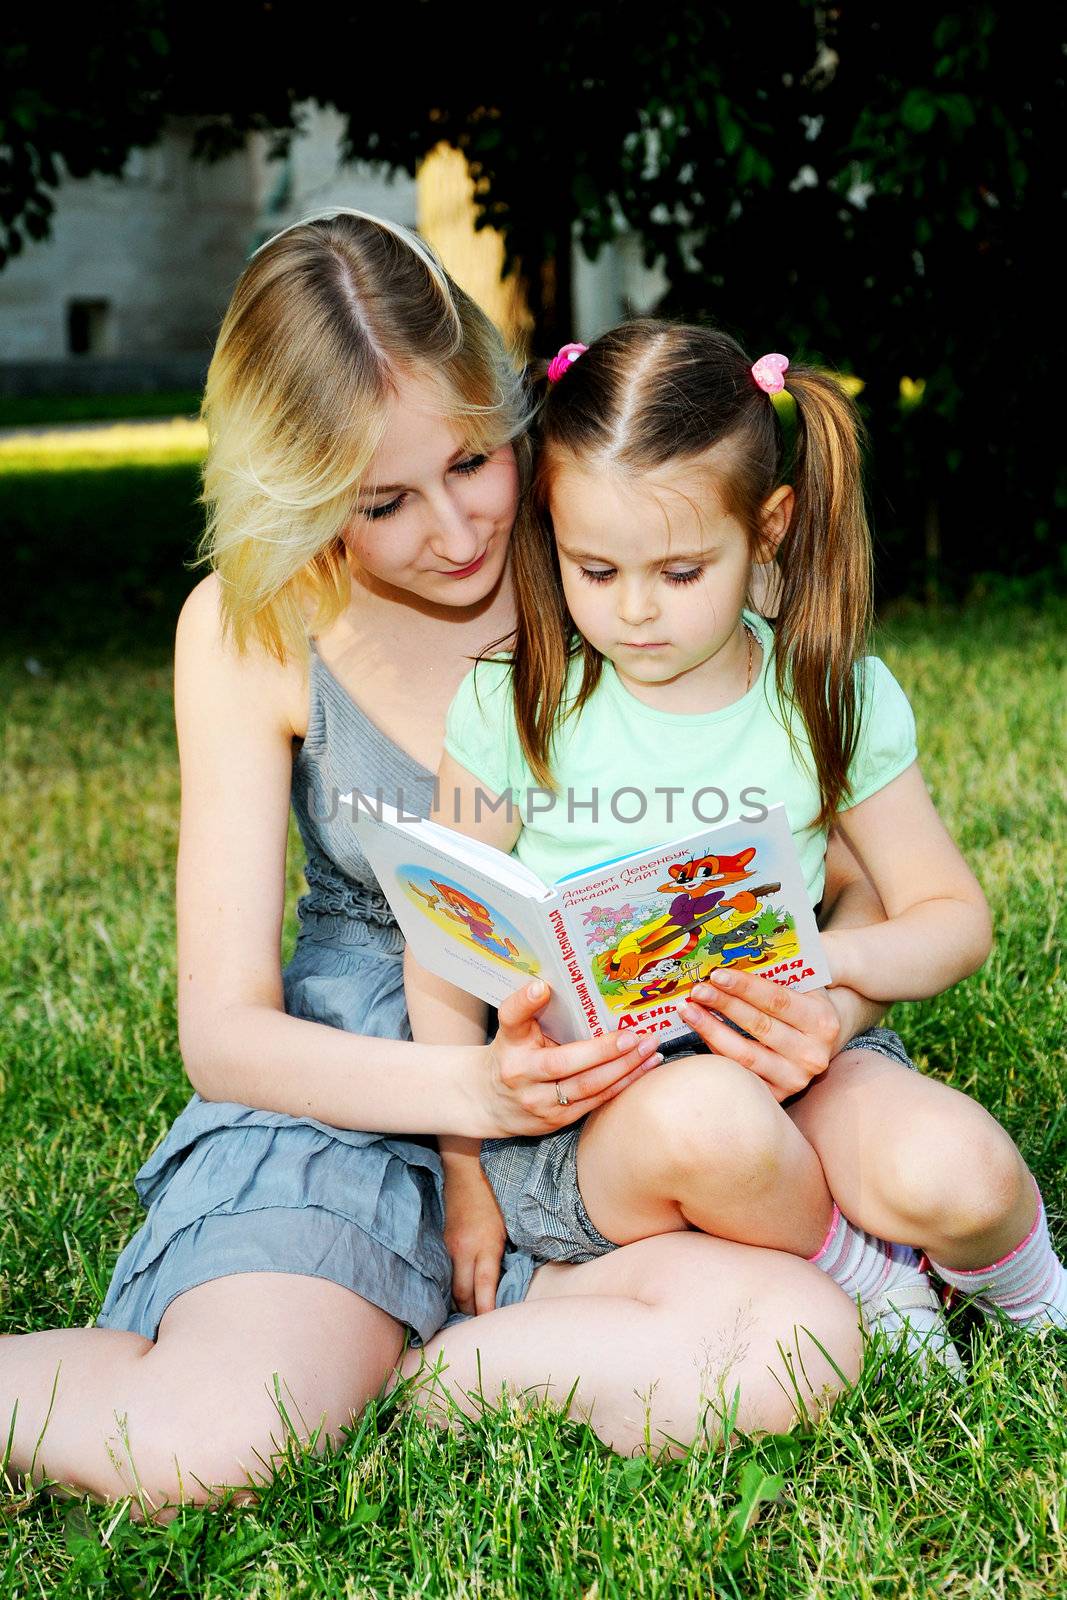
column 433, row 517
column 655, row 575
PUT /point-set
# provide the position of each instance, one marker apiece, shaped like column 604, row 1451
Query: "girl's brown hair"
column 652, row 393
column 324, row 317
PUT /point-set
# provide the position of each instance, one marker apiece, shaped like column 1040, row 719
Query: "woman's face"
column 433, row 517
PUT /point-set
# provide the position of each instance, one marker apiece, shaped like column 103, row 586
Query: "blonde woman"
column 367, row 456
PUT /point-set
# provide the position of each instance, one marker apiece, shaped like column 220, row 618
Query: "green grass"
column 46, row 410
column 97, row 528
column 903, row 1490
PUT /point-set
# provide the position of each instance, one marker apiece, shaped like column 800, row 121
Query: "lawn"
column 904, row 1490
column 46, row 410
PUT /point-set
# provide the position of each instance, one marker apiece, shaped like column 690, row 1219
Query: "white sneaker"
column 911, row 1314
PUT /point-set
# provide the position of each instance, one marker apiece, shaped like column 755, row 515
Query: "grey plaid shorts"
column 535, row 1179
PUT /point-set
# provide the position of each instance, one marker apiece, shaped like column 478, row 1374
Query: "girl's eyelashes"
column 603, row 574
column 466, row 468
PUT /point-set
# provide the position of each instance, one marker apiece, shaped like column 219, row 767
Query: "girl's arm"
column 850, row 900
column 938, row 928
column 237, row 1041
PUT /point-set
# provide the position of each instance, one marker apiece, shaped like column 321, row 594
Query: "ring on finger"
column 560, row 1096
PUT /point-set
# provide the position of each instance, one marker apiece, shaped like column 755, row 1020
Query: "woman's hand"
column 474, row 1235
column 794, row 1035
column 525, row 1068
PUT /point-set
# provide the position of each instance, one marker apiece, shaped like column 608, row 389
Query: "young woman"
column 367, row 456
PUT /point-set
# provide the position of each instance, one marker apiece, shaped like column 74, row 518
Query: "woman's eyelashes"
column 604, row 574
column 465, row 468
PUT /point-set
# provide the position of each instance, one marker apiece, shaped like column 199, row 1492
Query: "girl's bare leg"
column 702, row 1143
column 651, row 1336
column 111, row 1414
column 915, row 1161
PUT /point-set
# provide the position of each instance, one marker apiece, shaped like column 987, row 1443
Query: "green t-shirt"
column 659, row 775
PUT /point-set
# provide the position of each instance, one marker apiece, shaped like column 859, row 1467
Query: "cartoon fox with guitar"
column 698, row 887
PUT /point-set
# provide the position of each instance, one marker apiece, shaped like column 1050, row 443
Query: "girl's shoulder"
column 489, row 677
column 886, row 742
column 878, row 692
column 483, row 701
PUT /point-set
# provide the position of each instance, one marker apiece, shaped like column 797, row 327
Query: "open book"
column 620, row 943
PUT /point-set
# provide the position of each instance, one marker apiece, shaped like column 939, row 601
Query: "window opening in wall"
column 87, row 323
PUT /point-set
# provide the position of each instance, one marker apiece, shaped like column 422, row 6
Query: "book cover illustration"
column 472, row 922
column 656, row 927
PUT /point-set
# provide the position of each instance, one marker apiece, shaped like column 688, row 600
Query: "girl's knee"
column 958, row 1172
column 709, row 1114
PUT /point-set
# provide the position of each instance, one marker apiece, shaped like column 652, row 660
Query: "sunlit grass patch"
column 163, row 443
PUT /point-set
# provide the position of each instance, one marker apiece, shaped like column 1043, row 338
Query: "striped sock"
column 1029, row 1284
column 857, row 1261
column 892, row 1290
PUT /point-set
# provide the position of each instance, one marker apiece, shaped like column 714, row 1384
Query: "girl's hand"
column 525, row 1068
column 794, row 1035
column 474, row 1236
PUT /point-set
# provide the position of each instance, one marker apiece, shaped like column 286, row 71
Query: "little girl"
column 670, row 470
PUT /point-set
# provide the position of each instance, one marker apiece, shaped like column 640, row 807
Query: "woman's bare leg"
column 650, row 1336
column 111, row 1414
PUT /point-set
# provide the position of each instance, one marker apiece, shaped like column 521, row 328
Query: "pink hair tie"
column 565, row 357
column 769, row 372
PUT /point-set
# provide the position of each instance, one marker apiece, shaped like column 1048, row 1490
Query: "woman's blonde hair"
column 324, row 318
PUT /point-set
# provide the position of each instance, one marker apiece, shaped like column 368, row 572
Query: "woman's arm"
column 938, row 928
column 237, row 1041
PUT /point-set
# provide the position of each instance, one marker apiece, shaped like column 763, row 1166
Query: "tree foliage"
column 872, row 186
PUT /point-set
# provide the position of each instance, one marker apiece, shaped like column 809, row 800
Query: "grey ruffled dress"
column 232, row 1189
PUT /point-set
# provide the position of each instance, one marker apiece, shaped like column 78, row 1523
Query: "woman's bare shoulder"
column 210, row 668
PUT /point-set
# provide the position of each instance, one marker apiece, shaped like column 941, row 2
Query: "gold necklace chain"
column 748, row 669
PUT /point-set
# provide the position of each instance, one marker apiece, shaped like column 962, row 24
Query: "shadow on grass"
column 96, row 560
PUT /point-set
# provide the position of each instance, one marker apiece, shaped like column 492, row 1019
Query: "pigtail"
column 825, row 566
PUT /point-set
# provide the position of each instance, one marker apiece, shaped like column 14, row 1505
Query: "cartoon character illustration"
column 698, row 889
column 741, row 945
column 432, row 902
column 476, row 918
column 660, row 979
